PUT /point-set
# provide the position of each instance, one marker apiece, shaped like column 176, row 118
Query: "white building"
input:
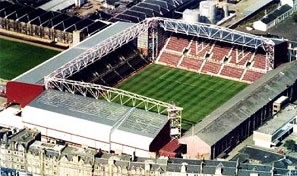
column 274, row 130
column 97, row 123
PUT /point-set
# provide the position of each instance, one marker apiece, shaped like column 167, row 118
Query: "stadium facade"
column 235, row 120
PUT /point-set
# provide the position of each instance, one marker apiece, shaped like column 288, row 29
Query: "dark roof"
column 222, row 121
column 151, row 8
column 264, row 157
column 276, row 13
column 129, row 18
column 131, row 12
column 5, row 4
column 20, row 13
column 44, row 18
column 80, row 25
column 57, row 20
column 65, row 24
column 100, row 15
column 9, row 10
column 32, row 15
column 154, row 7
column 95, row 27
column 148, row 12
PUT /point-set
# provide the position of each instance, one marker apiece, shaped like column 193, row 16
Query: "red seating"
column 191, row 63
column 210, row 67
column 169, row 59
column 219, row 52
column 234, row 68
column 177, row 44
column 196, row 48
column 252, row 75
column 260, row 61
column 242, row 58
column 232, row 72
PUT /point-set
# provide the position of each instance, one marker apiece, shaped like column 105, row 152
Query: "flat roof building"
column 274, row 130
column 97, row 123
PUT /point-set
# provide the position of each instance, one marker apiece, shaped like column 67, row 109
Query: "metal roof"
column 36, row 75
column 276, row 13
column 151, row 8
column 222, row 121
column 122, row 117
column 144, row 122
column 55, row 5
column 78, row 106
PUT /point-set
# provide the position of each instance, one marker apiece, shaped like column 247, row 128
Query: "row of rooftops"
column 149, row 8
column 50, row 19
column 31, row 139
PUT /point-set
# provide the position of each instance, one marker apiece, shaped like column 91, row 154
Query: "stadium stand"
column 210, row 67
column 214, row 57
column 191, row 64
column 177, row 44
column 252, row 75
column 170, row 59
column 231, row 72
column 112, row 68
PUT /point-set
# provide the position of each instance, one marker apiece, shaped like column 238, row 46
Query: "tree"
column 290, row 144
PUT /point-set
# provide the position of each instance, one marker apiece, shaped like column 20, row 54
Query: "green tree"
column 290, row 144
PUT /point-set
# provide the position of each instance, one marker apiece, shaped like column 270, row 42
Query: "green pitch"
column 16, row 57
column 198, row 94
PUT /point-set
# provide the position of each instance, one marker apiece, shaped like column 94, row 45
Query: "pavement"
column 240, row 10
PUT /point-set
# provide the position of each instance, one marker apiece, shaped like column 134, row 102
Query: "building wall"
column 242, row 131
column 259, row 25
column 56, row 121
column 261, row 139
column 196, row 148
column 22, row 93
column 62, row 37
column 246, row 128
column 161, row 139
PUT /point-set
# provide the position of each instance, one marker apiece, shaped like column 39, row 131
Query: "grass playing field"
column 16, row 57
column 198, row 94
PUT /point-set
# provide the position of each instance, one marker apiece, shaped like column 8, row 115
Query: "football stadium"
column 157, row 81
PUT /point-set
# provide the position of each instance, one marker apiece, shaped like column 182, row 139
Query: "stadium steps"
column 244, row 72
column 204, row 62
column 162, row 50
column 188, row 48
column 220, row 71
column 180, row 61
